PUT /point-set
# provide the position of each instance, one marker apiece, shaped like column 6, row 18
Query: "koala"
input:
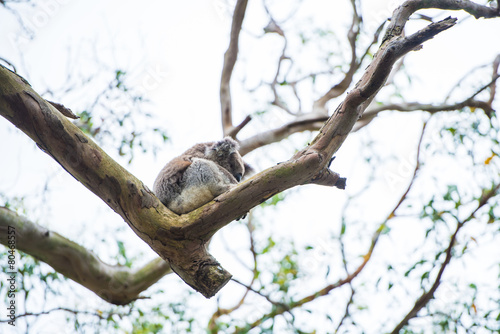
column 199, row 175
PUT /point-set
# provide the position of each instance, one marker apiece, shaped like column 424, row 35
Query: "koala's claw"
column 242, row 217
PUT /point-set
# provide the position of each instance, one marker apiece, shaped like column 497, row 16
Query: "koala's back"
column 169, row 182
column 201, row 182
column 194, row 178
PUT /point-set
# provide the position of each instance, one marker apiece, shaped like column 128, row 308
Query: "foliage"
column 417, row 229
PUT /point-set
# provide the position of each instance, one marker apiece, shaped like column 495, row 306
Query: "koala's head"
column 225, row 153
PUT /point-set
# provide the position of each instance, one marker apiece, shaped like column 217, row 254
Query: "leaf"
column 121, row 249
column 270, row 244
column 342, row 229
column 274, row 200
column 488, row 160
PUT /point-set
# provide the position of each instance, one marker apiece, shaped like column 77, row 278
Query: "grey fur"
column 199, row 175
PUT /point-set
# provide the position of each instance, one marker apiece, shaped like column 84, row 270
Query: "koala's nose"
column 238, row 177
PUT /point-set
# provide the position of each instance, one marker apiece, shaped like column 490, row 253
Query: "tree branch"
column 182, row 239
column 311, row 121
column 430, row 108
column 96, row 313
column 314, row 120
column 213, row 328
column 336, row 129
column 319, row 105
column 236, row 129
column 120, row 190
column 308, row 122
column 428, row 295
column 227, row 70
column 371, row 113
column 179, row 239
column 495, row 75
column 279, row 309
column 403, row 12
column 350, row 276
column 116, row 284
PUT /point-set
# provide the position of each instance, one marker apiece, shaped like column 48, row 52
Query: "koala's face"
column 225, row 154
column 236, row 166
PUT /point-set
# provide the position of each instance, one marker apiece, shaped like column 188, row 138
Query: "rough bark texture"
column 116, row 284
column 182, row 239
column 124, row 193
column 179, row 239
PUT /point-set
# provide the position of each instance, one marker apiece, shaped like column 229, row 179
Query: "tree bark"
column 227, row 69
column 182, row 239
column 120, row 190
column 116, row 284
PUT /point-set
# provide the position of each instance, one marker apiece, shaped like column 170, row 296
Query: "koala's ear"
column 224, row 146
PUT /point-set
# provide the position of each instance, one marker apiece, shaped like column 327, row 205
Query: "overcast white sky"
column 174, row 50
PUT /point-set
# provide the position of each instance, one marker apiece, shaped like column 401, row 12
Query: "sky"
column 173, row 50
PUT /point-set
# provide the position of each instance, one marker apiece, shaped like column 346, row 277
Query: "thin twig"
column 319, row 105
column 76, row 312
column 431, row 108
column 212, row 323
column 459, row 82
column 428, row 295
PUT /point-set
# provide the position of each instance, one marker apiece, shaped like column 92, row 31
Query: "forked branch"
column 182, row 239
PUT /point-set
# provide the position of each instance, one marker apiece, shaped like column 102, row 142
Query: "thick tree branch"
column 350, row 276
column 116, row 284
column 336, row 129
column 308, row 164
column 227, row 70
column 119, row 189
column 179, row 239
column 182, row 239
column 403, row 12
